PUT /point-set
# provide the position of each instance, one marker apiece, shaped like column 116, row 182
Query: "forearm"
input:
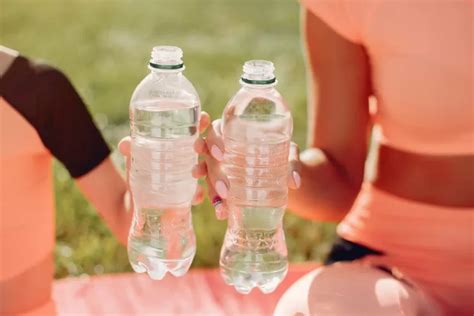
column 105, row 188
column 339, row 123
column 118, row 216
column 325, row 193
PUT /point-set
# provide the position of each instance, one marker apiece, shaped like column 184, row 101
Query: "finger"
column 127, row 201
column 294, row 177
column 204, row 122
column 219, row 204
column 199, row 170
column 200, row 146
column 294, row 152
column 124, row 146
column 216, row 177
column 128, row 163
column 199, row 195
column 214, row 141
column 313, row 156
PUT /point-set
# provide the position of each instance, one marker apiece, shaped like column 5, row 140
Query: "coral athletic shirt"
column 41, row 116
column 422, row 74
column 421, row 55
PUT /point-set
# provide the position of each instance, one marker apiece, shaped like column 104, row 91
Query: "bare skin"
column 331, row 169
column 333, row 166
column 124, row 148
column 107, row 190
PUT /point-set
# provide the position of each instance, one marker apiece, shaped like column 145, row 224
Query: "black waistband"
column 345, row 250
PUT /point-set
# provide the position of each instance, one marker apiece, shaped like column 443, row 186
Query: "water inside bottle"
column 254, row 253
column 162, row 238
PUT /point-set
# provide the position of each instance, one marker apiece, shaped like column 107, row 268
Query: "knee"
column 355, row 289
column 294, row 301
column 348, row 289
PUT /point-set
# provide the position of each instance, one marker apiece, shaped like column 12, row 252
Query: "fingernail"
column 127, row 201
column 221, row 189
column 217, row 153
column 297, row 178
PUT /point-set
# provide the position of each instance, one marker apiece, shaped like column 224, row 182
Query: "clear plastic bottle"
column 164, row 117
column 257, row 128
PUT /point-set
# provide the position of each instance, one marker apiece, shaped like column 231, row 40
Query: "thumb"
column 124, row 146
column 294, row 177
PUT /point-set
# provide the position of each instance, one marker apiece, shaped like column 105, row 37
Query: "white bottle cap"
column 166, row 57
column 258, row 72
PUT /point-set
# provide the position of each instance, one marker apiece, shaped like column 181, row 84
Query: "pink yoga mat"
column 200, row 292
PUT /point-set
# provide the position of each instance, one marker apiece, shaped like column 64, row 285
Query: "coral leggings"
column 428, row 248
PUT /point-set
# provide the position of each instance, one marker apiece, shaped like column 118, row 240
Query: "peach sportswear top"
column 422, row 67
column 422, row 75
column 41, row 117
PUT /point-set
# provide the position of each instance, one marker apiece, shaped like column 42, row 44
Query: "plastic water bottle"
column 257, row 128
column 164, row 117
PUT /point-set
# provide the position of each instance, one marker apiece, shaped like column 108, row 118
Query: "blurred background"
column 104, row 46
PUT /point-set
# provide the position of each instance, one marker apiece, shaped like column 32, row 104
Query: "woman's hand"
column 213, row 150
column 124, row 147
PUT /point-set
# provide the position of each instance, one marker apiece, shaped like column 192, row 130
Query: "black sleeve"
column 57, row 112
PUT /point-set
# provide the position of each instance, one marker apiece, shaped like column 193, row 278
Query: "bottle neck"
column 166, row 72
column 258, row 81
column 170, row 66
column 258, row 86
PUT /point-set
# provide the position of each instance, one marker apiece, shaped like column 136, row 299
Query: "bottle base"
column 156, row 268
column 245, row 281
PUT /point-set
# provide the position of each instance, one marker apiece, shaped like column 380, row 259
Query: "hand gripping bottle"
column 257, row 128
column 164, row 117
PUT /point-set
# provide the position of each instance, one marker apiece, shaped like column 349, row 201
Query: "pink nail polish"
column 221, row 189
column 297, row 178
column 217, row 153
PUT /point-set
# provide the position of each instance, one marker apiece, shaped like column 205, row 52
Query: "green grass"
column 103, row 46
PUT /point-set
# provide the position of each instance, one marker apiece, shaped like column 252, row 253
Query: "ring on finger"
column 216, row 201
